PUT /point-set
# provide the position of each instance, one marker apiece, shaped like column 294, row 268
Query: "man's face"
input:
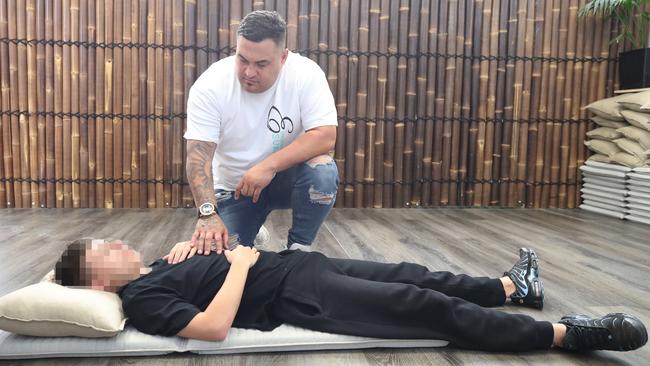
column 258, row 64
column 113, row 264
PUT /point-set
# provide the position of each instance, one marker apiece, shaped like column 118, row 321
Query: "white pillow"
column 48, row 309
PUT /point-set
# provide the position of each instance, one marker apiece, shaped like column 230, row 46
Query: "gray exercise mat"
column 131, row 342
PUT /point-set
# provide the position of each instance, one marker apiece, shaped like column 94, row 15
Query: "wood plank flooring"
column 589, row 263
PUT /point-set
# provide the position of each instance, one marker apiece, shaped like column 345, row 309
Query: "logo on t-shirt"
column 276, row 122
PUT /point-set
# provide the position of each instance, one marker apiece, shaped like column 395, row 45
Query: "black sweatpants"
column 404, row 301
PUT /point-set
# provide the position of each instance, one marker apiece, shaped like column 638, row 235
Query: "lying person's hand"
column 242, row 254
column 180, row 252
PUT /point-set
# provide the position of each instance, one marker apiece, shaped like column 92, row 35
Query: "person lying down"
column 202, row 297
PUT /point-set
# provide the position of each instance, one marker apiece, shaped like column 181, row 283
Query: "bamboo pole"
column 143, row 100
column 109, row 199
column 82, row 98
column 454, row 70
column 410, row 102
column 490, row 110
column 165, row 109
column 567, row 166
column 292, row 22
column 389, row 128
column 117, row 105
column 177, row 104
column 512, row 91
column 91, row 106
column 158, row 137
column 543, row 107
column 23, row 92
column 224, row 24
column 439, row 103
column 482, row 109
column 5, row 94
column 341, row 102
column 502, row 98
column 361, row 103
column 372, row 159
column 576, row 140
column 75, row 147
column 67, row 86
column 518, row 193
column 400, row 110
column 382, row 79
column 214, row 32
column 350, row 126
column 477, row 45
column 314, row 19
column 193, row 65
column 131, row 101
column 323, row 25
column 125, row 91
column 444, row 101
column 303, row 25
column 32, row 105
column 467, row 143
column 418, row 158
column 535, row 104
column 458, row 129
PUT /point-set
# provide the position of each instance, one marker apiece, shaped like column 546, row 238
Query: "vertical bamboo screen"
column 446, row 102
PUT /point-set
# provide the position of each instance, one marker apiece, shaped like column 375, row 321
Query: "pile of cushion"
column 622, row 135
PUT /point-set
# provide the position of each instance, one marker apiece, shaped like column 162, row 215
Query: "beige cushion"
column 602, row 147
column 637, row 119
column 631, row 147
column 608, row 108
column 645, row 108
column 637, row 134
column 604, row 133
column 47, row 309
column 629, row 160
column 600, row 158
column 604, row 122
column 635, row 101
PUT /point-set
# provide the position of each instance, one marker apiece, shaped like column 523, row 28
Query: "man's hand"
column 210, row 230
column 254, row 181
column 180, row 252
column 242, row 254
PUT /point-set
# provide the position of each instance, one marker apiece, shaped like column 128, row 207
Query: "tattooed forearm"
column 199, row 170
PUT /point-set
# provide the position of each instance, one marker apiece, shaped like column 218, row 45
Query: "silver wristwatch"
column 207, row 209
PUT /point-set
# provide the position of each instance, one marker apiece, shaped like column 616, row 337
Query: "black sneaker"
column 525, row 275
column 614, row 331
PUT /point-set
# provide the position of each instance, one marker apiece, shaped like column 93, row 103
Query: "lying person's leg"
column 521, row 283
column 349, row 305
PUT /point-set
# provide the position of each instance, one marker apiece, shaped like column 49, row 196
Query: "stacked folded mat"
column 638, row 199
column 617, row 177
column 604, row 190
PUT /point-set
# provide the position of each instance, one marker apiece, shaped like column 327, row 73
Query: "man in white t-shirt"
column 260, row 126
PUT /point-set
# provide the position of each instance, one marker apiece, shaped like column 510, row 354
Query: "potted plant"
column 634, row 22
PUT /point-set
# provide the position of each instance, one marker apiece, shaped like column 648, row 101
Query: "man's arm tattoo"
column 199, row 170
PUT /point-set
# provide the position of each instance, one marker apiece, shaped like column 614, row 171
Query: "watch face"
column 206, row 209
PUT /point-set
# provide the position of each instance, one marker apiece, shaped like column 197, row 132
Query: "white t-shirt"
column 248, row 127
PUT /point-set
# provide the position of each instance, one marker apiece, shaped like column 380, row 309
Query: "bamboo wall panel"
column 440, row 103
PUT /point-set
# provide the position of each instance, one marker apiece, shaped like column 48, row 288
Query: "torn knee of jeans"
column 322, row 198
column 319, row 160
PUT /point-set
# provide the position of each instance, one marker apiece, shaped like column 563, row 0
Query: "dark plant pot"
column 634, row 69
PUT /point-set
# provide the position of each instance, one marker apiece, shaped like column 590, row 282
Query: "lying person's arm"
column 214, row 323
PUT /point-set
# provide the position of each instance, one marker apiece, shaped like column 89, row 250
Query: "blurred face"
column 258, row 64
column 113, row 264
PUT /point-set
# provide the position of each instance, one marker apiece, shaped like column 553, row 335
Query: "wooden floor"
column 589, row 263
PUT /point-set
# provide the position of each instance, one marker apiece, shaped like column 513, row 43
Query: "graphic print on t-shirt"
column 279, row 125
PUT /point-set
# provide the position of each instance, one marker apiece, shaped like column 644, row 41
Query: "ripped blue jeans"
column 308, row 189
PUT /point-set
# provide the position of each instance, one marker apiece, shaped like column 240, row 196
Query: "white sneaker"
column 304, row 248
column 262, row 238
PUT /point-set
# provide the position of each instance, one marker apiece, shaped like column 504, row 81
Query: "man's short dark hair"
column 263, row 24
column 70, row 269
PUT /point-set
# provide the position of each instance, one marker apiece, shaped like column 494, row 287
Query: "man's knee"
column 323, row 178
